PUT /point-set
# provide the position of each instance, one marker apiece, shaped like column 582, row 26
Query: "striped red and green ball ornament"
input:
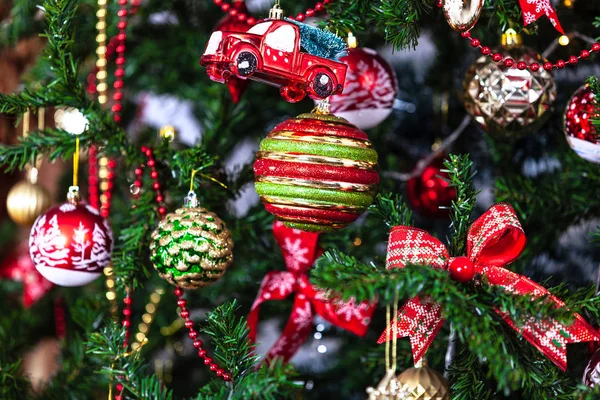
column 316, row 172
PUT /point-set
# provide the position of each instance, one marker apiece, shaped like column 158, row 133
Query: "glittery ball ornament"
column 580, row 133
column 26, row 201
column 591, row 375
column 191, row 248
column 316, row 172
column 430, row 193
column 231, row 23
column 370, row 89
column 423, row 383
column 509, row 102
column 70, row 244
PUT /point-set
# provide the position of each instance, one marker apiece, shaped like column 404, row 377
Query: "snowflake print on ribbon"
column 295, row 254
column 534, row 9
column 350, row 310
column 302, row 316
column 283, row 283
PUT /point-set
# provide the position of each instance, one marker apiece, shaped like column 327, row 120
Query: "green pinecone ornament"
column 191, row 248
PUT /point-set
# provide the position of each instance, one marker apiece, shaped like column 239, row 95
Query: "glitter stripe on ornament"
column 316, row 160
column 306, row 204
column 320, row 127
column 303, row 137
column 322, row 195
column 317, row 184
column 318, row 171
column 329, row 215
column 319, row 149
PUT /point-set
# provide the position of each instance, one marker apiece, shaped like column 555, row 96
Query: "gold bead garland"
column 101, row 75
column 147, row 318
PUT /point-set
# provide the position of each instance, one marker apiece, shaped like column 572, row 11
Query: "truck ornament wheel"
column 322, row 85
column 246, row 64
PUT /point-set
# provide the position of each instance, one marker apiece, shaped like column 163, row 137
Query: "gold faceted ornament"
column 509, row 102
column 389, row 388
column 26, row 201
column 191, row 248
column 462, row 15
column 423, row 383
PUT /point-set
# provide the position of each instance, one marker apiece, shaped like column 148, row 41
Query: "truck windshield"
column 260, row 29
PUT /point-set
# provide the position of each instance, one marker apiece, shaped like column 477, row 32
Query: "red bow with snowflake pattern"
column 494, row 240
column 300, row 250
column 533, row 9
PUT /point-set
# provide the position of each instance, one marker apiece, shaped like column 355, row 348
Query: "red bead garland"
column 93, row 177
column 151, row 163
column 189, row 324
column 548, row 66
column 127, row 318
column 233, row 10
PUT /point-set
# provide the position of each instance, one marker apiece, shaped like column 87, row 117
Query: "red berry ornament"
column 579, row 131
column 70, row 244
column 370, row 89
column 462, row 269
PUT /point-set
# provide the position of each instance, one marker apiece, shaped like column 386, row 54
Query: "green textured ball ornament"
column 316, row 172
column 191, row 248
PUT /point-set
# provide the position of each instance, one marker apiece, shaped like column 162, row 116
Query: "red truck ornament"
column 269, row 52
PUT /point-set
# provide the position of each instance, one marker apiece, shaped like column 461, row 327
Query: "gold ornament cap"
column 511, row 39
column 276, row 12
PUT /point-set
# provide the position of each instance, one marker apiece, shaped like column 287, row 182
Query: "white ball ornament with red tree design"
column 370, row 89
column 70, row 244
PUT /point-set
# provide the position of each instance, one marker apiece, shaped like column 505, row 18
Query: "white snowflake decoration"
column 294, row 253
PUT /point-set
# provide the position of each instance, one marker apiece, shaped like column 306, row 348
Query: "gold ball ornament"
column 191, row 248
column 423, row 383
column 26, row 201
column 462, row 15
column 509, row 102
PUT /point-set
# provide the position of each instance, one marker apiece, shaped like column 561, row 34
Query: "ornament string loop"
column 494, row 240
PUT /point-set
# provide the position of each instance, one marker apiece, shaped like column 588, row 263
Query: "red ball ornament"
column 429, row 191
column 579, row 130
column 231, row 23
column 462, row 269
column 316, row 172
column 370, row 89
column 70, row 244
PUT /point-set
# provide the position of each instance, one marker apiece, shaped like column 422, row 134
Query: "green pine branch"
column 460, row 174
column 392, row 210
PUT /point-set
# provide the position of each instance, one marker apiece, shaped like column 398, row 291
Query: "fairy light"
column 563, row 40
column 147, row 318
column 101, row 75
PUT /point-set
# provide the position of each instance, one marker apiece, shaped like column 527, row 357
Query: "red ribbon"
column 533, row 9
column 494, row 240
column 19, row 267
column 300, row 250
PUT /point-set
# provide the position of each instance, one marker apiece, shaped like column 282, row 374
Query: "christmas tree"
column 418, row 221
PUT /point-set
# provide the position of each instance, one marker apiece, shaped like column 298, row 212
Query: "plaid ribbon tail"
column 421, row 321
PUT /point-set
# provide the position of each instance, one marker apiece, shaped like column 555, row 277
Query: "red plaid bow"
column 495, row 240
column 300, row 251
column 533, row 9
